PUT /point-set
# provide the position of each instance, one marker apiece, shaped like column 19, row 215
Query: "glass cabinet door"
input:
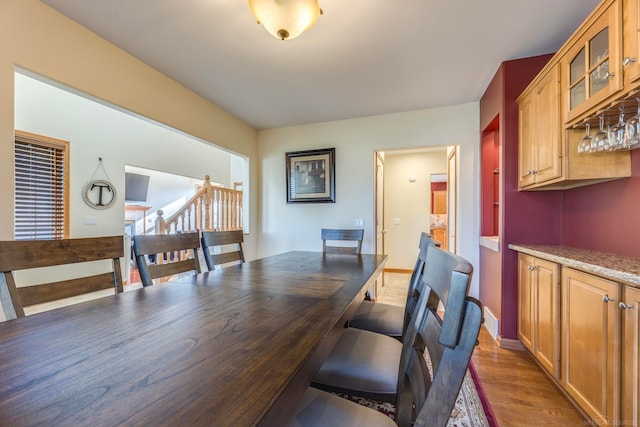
column 577, row 91
column 630, row 43
column 592, row 66
column 599, row 62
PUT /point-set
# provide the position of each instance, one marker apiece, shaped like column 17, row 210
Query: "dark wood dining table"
column 232, row 347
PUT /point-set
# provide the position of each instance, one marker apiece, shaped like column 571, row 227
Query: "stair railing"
column 211, row 208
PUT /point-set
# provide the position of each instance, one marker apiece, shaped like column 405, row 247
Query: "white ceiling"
column 362, row 57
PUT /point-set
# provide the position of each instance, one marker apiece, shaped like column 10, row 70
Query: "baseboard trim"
column 491, row 323
column 510, row 344
column 398, row 270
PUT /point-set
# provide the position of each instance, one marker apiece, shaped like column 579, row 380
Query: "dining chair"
column 24, row 255
column 332, row 235
column 220, row 241
column 423, row 377
column 170, row 254
column 389, row 319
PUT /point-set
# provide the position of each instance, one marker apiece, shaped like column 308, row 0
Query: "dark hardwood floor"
column 519, row 392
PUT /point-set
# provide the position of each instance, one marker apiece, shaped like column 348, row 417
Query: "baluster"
column 207, row 196
column 215, row 225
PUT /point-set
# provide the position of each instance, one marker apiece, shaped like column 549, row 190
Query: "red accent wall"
column 526, row 217
column 606, row 216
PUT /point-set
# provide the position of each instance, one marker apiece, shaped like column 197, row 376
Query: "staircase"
column 211, row 208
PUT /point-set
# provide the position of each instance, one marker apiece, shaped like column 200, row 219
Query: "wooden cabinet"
column 539, row 310
column 630, row 307
column 585, row 76
column 631, row 43
column 440, row 234
column 540, row 152
column 439, row 202
column 592, row 64
column 590, row 344
column 548, row 156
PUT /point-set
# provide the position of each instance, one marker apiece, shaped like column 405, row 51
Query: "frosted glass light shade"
column 285, row 19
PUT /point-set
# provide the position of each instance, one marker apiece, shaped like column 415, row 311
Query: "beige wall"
column 297, row 226
column 39, row 39
column 407, row 205
column 120, row 139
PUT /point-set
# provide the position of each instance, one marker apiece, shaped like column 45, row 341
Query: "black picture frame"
column 311, row 176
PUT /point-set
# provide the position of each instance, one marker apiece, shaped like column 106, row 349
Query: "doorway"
column 403, row 204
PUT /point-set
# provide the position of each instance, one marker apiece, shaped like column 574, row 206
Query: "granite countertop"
column 604, row 264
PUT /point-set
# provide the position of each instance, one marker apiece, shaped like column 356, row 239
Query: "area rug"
column 467, row 412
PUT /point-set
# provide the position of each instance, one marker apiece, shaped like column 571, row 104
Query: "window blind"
column 39, row 190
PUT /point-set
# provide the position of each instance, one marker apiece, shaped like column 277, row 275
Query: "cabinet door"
column 591, row 350
column 548, row 149
column 525, row 300
column 591, row 69
column 631, row 43
column 440, row 234
column 546, row 291
column 631, row 358
column 439, row 202
column 526, row 140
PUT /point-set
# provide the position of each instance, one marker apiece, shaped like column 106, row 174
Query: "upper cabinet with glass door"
column 631, row 43
column 591, row 67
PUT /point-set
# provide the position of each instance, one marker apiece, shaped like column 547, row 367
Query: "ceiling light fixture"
column 286, row 19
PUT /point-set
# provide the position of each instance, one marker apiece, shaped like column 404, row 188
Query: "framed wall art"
column 311, row 176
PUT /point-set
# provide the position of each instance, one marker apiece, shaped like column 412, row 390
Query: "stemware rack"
column 612, row 113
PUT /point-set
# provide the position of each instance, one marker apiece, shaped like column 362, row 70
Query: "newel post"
column 160, row 223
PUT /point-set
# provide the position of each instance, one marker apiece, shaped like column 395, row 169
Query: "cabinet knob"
column 607, row 299
column 609, row 75
column 626, row 61
column 624, row 306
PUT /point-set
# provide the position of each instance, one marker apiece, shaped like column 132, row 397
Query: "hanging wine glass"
column 584, row 145
column 618, row 140
column 633, row 129
column 600, row 138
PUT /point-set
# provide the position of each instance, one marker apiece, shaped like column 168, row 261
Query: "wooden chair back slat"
column 222, row 240
column 30, row 254
column 171, row 245
column 160, row 243
column 448, row 285
column 176, row 267
column 27, row 254
column 335, row 234
column 416, row 282
column 38, row 294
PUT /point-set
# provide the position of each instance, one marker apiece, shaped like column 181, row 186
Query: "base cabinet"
column 590, row 344
column 539, row 314
column 584, row 330
column 630, row 307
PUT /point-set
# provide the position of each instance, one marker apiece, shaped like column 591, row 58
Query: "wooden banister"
column 211, row 208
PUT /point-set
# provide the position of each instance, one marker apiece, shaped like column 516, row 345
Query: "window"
column 41, row 187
